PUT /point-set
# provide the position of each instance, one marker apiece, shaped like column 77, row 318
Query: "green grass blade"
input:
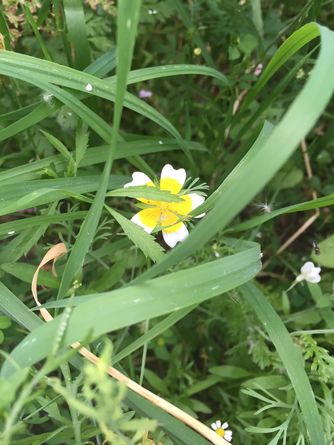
column 185, row 17
column 5, row 30
column 35, row 193
column 291, row 358
column 18, row 311
column 36, row 221
column 162, row 326
column 324, row 201
column 35, row 29
column 76, row 30
column 296, row 41
column 127, row 20
column 151, row 299
column 141, row 239
column 268, row 154
column 158, row 72
column 146, row 193
column 95, row 155
column 37, row 72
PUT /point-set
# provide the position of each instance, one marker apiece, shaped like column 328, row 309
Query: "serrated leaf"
column 139, row 237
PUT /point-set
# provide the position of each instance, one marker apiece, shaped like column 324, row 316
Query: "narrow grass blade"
column 269, row 152
column 127, row 20
column 141, row 239
column 150, row 299
column 324, row 201
column 76, row 32
column 291, row 358
column 18, row 311
column 169, row 321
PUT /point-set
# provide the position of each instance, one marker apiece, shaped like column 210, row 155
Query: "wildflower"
column 197, row 51
column 144, row 94
column 152, row 11
column 166, row 216
column 89, row 87
column 300, row 74
column 221, row 430
column 47, row 97
column 309, row 273
column 258, row 69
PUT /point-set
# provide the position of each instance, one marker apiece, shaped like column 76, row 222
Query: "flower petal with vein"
column 168, row 217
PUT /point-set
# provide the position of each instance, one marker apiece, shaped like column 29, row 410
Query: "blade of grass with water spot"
column 127, row 21
column 93, row 156
column 99, row 68
column 37, row 72
column 150, row 299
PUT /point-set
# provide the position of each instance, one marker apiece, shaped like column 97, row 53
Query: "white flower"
column 309, row 273
column 89, row 87
column 221, row 430
column 258, row 69
column 166, row 216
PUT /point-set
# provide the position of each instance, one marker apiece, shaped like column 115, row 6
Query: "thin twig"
column 316, row 214
column 52, row 255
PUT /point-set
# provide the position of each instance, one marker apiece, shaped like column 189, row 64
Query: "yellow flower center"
column 220, row 432
column 168, row 215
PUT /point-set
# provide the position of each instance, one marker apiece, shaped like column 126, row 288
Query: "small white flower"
column 89, row 87
column 11, row 232
column 258, row 69
column 47, row 97
column 309, row 273
column 169, row 217
column 221, row 430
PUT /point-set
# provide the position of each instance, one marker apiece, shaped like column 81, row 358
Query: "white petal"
column 307, row 267
column 169, row 172
column 316, row 270
column 218, row 423
column 214, row 426
column 196, row 201
column 136, row 219
column 225, row 425
column 314, row 279
column 228, row 435
column 172, row 238
column 138, row 178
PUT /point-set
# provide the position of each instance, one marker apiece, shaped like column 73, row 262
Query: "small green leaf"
column 138, row 236
column 326, row 257
column 5, row 322
column 146, row 193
